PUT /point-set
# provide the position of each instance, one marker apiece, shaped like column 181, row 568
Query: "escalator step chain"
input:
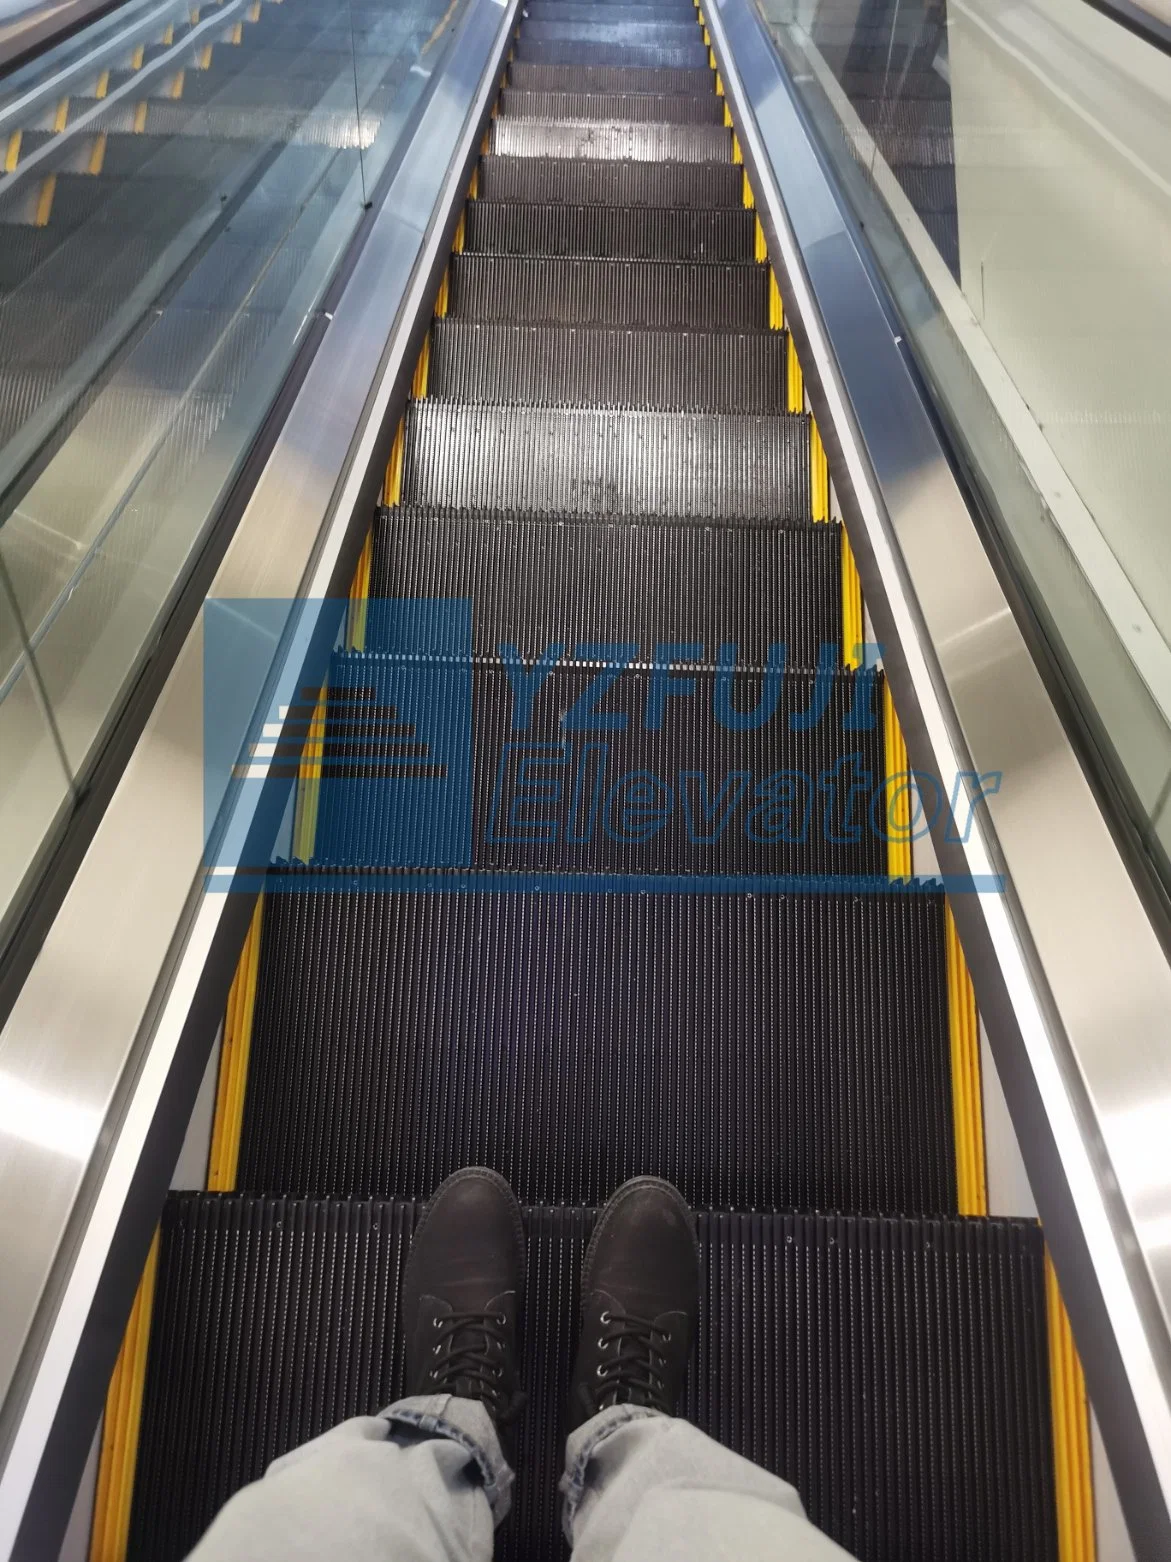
column 762, row 1051
column 681, row 108
column 893, row 1370
column 610, row 78
column 590, row 461
column 687, row 371
column 714, row 296
column 623, row 233
column 585, row 182
column 535, row 581
column 717, row 804
column 611, row 141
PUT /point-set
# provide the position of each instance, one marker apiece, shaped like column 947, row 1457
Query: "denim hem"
column 441, row 1415
column 588, row 1438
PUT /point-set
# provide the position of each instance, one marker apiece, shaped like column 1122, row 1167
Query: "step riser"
column 542, row 51
column 672, row 370
column 610, row 79
column 652, row 583
column 661, row 294
column 509, row 228
column 889, row 1354
column 587, row 462
column 635, row 107
column 569, row 181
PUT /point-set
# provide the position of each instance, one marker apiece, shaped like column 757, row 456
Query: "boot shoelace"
column 469, row 1355
column 633, row 1375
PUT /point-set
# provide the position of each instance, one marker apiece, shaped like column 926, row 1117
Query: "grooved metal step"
column 617, row 28
column 865, row 1360
column 586, row 461
column 676, row 11
column 601, row 770
column 617, row 141
column 574, row 182
column 680, row 108
column 686, row 371
column 709, row 296
column 558, row 51
column 534, row 581
column 611, row 78
column 761, row 1050
column 621, row 232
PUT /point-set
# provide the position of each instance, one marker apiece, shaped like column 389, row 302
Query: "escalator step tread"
column 615, row 27
column 616, row 141
column 699, row 296
column 611, row 78
column 761, row 1050
column 535, row 581
column 476, row 360
column 893, row 1370
column 687, row 788
column 586, row 460
column 675, row 12
column 581, row 182
column 656, row 56
column 680, row 108
column 620, row 232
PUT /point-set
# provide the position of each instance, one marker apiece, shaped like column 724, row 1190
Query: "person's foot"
column 462, row 1291
column 639, row 1302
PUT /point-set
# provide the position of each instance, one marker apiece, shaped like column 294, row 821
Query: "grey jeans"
column 426, row 1481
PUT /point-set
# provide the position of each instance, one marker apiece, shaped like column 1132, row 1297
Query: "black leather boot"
column 640, row 1300
column 462, row 1292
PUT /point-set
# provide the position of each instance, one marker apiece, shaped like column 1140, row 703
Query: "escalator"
column 666, row 937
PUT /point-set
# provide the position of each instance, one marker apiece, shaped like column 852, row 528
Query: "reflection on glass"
column 179, row 196
column 1012, row 168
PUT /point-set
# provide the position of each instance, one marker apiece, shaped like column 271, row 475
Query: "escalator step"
column 681, row 108
column 625, row 233
column 708, row 296
column 534, row 581
column 589, row 461
column 616, row 27
column 761, row 1050
column 893, row 1370
column 576, row 182
column 610, row 78
column 473, row 360
column 676, row 11
column 617, row 141
column 644, row 783
column 656, row 56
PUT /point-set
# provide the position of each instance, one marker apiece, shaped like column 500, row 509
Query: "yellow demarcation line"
column 759, row 243
column 392, row 488
column 203, row 58
column 360, row 597
column 776, row 312
column 852, row 632
column 818, row 469
column 102, row 85
column 12, row 154
column 746, row 194
column 309, row 784
column 457, row 243
column 795, row 398
column 61, row 117
column 175, row 87
column 140, row 117
column 224, row 1156
column 45, row 201
column 422, row 370
column 1071, row 1432
column 966, row 1088
column 168, row 37
column 97, row 153
column 111, row 1522
column 898, row 797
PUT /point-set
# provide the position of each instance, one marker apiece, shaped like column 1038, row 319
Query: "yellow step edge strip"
column 818, row 468
column 102, row 85
column 12, row 155
column 795, row 399
column 309, row 784
column 359, row 604
column 175, row 86
column 137, row 57
column 45, row 201
column 457, row 243
column 392, row 488
column 898, row 806
column 168, row 37
column 140, row 117
column 97, row 153
column 422, row 370
column 474, row 187
column 759, row 242
column 852, row 630
column 110, row 1531
column 776, row 311
column 967, row 1090
column 231, row 1083
column 441, row 298
column 746, row 194
column 1071, row 1432
column 61, row 117
column 203, row 58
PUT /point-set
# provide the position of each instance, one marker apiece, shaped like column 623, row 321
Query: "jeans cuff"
column 466, row 1422
column 580, row 1449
